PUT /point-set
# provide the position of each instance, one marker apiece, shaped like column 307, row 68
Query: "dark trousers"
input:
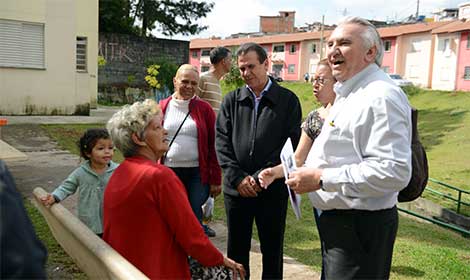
column 357, row 244
column 196, row 190
column 269, row 213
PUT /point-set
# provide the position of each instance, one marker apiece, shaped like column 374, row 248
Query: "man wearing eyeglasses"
column 360, row 160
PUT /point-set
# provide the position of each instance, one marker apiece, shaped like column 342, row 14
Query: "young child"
column 91, row 178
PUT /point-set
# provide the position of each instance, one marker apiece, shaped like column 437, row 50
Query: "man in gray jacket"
column 253, row 124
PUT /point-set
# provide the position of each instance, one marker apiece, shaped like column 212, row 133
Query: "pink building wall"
column 195, row 61
column 463, row 60
column 292, row 58
column 268, row 48
column 389, row 56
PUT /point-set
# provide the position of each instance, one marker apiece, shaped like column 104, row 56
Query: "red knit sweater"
column 148, row 220
column 204, row 117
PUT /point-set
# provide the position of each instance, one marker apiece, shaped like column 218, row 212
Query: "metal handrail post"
column 458, row 202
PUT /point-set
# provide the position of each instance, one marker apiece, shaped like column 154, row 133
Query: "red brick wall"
column 278, row 24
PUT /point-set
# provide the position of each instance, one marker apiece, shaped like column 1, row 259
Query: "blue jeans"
column 197, row 191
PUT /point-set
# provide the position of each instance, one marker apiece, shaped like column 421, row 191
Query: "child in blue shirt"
column 90, row 178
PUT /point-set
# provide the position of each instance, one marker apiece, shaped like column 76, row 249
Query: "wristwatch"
column 321, row 183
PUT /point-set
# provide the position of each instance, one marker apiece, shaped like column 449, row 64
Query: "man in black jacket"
column 253, row 124
column 22, row 255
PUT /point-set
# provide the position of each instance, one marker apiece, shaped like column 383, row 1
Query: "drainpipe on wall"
column 321, row 36
column 431, row 60
column 457, row 61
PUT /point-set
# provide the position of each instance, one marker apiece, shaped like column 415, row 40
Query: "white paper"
column 288, row 165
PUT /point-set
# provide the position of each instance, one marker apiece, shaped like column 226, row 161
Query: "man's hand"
column 268, row 175
column 304, row 180
column 248, row 187
column 215, row 190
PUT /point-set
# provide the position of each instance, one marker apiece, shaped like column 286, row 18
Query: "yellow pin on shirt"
column 332, row 123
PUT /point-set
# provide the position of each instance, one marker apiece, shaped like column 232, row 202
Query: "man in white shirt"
column 360, row 160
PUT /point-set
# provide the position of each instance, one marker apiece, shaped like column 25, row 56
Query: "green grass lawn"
column 58, row 262
column 422, row 250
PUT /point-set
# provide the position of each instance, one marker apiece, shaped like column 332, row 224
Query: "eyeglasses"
column 320, row 80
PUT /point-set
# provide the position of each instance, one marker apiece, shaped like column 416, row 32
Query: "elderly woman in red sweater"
column 190, row 122
column 147, row 216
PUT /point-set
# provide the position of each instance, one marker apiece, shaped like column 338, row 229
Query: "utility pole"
column 417, row 10
column 321, row 36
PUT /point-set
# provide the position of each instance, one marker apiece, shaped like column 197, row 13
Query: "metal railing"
column 458, row 200
column 464, row 232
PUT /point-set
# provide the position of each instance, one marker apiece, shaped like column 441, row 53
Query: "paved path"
column 46, row 166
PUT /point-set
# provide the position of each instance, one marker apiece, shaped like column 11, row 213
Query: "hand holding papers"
column 288, row 165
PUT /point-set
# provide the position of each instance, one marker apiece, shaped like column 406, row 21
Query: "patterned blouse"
column 313, row 124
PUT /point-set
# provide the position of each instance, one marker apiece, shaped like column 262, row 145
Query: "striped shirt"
column 209, row 90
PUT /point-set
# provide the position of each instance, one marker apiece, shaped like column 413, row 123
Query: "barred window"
column 291, row 69
column 278, row 48
column 387, row 45
column 314, row 48
column 81, row 54
column 466, row 75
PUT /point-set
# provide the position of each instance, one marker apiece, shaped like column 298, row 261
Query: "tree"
column 169, row 16
column 114, row 17
column 173, row 17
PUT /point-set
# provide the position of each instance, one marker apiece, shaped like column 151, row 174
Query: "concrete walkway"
column 37, row 162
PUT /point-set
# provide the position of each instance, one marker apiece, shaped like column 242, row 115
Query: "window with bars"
column 314, row 48
column 278, row 48
column 387, row 45
column 81, row 54
column 466, row 75
column 204, row 68
column 293, row 48
column 21, row 44
column 468, row 40
column 194, row 54
column 205, row 52
column 291, row 69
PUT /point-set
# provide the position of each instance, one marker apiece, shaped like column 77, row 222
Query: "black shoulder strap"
column 179, row 128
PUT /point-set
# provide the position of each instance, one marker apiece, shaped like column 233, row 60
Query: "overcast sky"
column 234, row 16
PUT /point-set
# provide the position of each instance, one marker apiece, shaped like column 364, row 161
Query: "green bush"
column 166, row 72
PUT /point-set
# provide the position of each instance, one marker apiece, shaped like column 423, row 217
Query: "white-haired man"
column 361, row 159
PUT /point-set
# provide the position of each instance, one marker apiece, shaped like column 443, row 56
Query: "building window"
column 388, row 45
column 21, row 44
column 81, row 54
column 293, row 48
column 194, row 54
column 386, row 69
column 466, row 75
column 415, row 46
column 278, row 48
column 205, row 52
column 204, row 68
column 468, row 40
column 291, row 69
column 314, row 48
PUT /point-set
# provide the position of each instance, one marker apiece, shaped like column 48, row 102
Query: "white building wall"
column 52, row 90
column 416, row 55
column 445, row 61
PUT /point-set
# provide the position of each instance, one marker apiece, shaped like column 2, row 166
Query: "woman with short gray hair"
column 140, row 220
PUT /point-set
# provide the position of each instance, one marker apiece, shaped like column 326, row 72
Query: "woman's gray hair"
column 370, row 37
column 129, row 120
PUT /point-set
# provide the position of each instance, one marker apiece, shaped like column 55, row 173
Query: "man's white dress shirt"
column 365, row 144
